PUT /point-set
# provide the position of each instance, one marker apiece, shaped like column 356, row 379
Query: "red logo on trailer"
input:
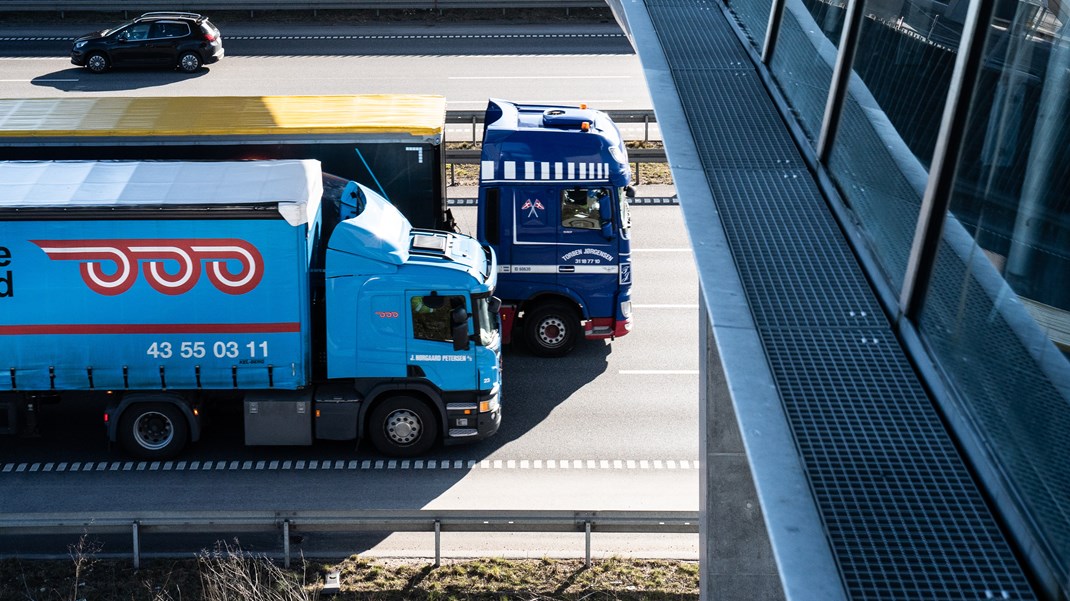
column 170, row 266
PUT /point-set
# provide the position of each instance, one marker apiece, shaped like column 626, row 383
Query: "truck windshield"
column 486, row 321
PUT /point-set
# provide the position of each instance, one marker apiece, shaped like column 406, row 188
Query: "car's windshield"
column 625, row 210
column 486, row 321
column 112, row 30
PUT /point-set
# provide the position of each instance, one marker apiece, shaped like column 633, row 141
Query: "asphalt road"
column 612, row 426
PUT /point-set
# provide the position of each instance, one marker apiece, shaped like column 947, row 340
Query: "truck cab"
column 553, row 204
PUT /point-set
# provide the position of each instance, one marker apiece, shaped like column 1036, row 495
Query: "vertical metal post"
column 438, row 543
column 941, row 182
column 473, row 129
column 646, row 128
column 286, row 543
column 841, row 75
column 137, row 546
column 587, row 541
column 772, row 30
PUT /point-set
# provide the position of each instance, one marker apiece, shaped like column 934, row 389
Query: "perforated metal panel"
column 904, row 518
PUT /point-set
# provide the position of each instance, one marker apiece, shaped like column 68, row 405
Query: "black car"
column 174, row 39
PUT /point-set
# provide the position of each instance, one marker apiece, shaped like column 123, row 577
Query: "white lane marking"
column 37, row 80
column 658, row 372
column 584, row 77
column 661, row 250
column 635, row 306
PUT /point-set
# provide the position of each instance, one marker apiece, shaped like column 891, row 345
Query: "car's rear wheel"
column 97, row 63
column 189, row 62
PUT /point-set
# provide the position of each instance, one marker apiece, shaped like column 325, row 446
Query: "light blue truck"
column 166, row 287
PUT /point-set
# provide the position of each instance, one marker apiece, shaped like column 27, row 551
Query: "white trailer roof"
column 294, row 185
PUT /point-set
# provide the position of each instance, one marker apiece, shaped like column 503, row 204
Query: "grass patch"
column 228, row 574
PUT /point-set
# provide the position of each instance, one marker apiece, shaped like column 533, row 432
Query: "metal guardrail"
column 137, row 523
column 140, row 6
column 475, row 119
column 635, row 155
column 470, row 156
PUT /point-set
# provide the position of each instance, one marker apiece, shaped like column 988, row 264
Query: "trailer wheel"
column 403, row 426
column 551, row 330
column 153, row 431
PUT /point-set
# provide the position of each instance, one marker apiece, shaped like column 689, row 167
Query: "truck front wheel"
column 403, row 426
column 551, row 330
column 153, row 431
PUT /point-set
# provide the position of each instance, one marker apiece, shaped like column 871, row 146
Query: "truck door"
column 535, row 223
column 431, row 345
column 587, row 258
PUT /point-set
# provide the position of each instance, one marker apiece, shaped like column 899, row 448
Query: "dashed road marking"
column 351, row 465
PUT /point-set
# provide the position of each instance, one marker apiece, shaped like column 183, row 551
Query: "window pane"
column 887, row 134
column 753, row 18
column 804, row 57
column 998, row 310
column 431, row 316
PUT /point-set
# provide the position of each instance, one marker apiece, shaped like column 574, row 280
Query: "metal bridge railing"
column 284, row 522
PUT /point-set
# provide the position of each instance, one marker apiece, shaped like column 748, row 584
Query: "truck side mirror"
column 459, row 328
column 605, row 212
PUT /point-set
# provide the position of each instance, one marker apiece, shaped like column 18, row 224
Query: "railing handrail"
column 418, row 520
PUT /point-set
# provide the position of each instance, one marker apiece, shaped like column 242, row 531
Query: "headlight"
column 626, row 309
column 492, row 405
column 78, row 45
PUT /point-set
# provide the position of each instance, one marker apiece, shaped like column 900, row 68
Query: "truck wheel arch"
column 426, row 393
column 421, row 394
column 115, row 414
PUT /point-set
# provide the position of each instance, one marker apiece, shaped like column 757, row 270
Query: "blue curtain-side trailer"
column 167, row 286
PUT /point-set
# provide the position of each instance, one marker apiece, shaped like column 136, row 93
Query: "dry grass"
column 227, row 574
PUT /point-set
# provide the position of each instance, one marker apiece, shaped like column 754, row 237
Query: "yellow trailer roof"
column 417, row 115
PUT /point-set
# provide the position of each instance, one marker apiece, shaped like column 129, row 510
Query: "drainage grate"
column 739, row 128
column 796, row 269
column 902, row 513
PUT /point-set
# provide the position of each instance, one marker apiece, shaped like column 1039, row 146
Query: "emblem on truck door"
column 170, row 266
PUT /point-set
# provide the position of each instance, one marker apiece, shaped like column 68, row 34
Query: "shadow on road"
column 76, row 79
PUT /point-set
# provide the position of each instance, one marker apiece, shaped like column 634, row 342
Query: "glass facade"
column 996, row 315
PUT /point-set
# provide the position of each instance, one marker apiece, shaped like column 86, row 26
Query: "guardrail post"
column 473, row 129
column 137, row 546
column 286, row 543
column 438, row 543
column 587, row 542
column 646, row 128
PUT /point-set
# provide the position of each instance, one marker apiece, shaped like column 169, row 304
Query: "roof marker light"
column 585, row 126
column 583, row 106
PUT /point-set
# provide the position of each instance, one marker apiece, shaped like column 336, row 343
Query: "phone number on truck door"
column 198, row 349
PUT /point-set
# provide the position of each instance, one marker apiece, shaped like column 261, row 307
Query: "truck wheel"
column 153, row 431
column 189, row 62
column 403, row 426
column 551, row 330
column 96, row 63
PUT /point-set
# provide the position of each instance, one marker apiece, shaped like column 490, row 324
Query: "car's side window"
column 137, row 31
column 169, row 30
